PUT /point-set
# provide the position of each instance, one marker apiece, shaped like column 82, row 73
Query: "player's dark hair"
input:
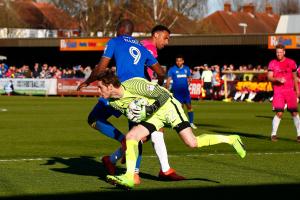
column 109, row 77
column 179, row 56
column 159, row 28
column 280, row 46
column 125, row 26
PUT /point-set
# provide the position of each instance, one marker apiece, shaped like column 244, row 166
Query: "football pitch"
column 48, row 150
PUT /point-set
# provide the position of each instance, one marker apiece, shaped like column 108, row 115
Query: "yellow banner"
column 289, row 41
column 83, row 44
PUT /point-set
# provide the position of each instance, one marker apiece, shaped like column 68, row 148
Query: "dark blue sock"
column 109, row 130
column 139, row 158
column 191, row 116
column 114, row 157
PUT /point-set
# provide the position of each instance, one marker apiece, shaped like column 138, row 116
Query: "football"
column 134, row 110
column 137, row 104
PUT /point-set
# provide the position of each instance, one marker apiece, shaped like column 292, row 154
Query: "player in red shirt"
column 282, row 72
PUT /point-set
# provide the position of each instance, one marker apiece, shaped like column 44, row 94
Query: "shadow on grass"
column 209, row 125
column 264, row 116
column 83, row 165
column 88, row 166
column 155, row 178
column 232, row 192
column 251, row 135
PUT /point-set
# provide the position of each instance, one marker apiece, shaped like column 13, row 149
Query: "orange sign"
column 83, row 44
column 289, row 41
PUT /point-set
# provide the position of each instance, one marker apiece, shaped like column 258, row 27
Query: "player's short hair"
column 126, row 25
column 179, row 56
column 280, row 46
column 109, row 77
column 159, row 28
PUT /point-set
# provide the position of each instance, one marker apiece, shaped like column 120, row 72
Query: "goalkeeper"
column 156, row 108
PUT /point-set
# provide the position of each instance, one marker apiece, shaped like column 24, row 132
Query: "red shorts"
column 285, row 97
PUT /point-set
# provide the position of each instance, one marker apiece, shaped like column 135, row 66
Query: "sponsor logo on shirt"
column 150, row 87
column 181, row 75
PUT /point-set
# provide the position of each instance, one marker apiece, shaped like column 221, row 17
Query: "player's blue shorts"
column 183, row 96
column 103, row 110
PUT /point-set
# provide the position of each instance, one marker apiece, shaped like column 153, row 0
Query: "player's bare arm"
column 295, row 77
column 103, row 64
column 168, row 82
column 273, row 79
column 160, row 73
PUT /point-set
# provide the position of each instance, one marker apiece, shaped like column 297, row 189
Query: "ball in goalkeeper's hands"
column 136, row 105
column 136, row 110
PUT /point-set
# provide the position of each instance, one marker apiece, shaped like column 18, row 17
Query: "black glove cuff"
column 151, row 109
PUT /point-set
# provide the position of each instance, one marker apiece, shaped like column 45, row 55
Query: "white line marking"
column 154, row 156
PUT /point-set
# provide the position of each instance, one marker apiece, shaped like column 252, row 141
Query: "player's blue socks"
column 109, row 130
column 191, row 116
column 139, row 158
column 115, row 156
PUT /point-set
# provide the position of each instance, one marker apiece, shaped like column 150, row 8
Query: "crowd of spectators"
column 44, row 71
column 214, row 76
column 211, row 76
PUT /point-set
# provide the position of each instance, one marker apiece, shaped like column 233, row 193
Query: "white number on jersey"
column 135, row 53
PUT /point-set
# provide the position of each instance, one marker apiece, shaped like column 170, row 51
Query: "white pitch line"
column 154, row 156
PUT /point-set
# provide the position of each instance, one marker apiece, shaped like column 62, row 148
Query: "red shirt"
column 153, row 50
column 283, row 69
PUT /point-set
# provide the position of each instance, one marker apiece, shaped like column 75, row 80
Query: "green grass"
column 47, row 148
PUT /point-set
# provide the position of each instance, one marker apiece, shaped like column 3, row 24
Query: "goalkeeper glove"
column 141, row 112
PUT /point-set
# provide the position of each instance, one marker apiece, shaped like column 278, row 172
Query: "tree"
column 102, row 15
column 289, row 7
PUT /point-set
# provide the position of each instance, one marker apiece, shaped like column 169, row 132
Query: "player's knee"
column 92, row 122
column 192, row 143
column 279, row 114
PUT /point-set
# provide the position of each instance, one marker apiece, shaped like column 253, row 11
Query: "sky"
column 214, row 5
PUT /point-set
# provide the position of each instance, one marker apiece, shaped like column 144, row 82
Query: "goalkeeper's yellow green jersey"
column 140, row 88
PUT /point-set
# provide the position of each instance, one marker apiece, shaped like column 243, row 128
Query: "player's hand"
column 298, row 95
column 83, row 84
column 281, row 80
column 136, row 110
column 133, row 117
column 137, row 115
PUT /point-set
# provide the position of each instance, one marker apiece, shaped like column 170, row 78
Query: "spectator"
column 79, row 73
column 216, row 83
column 196, row 73
column 36, row 71
column 206, row 77
column 9, row 88
column 87, row 72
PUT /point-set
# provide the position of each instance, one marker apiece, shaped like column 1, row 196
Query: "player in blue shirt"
column 130, row 57
column 180, row 74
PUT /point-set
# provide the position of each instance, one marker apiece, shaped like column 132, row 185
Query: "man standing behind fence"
column 282, row 73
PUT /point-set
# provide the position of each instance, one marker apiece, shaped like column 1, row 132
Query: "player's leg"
column 186, row 100
column 237, row 95
column 98, row 120
column 180, row 123
column 137, row 133
column 191, row 115
column 292, row 107
column 166, row 172
column 278, row 104
column 193, row 141
column 137, row 179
